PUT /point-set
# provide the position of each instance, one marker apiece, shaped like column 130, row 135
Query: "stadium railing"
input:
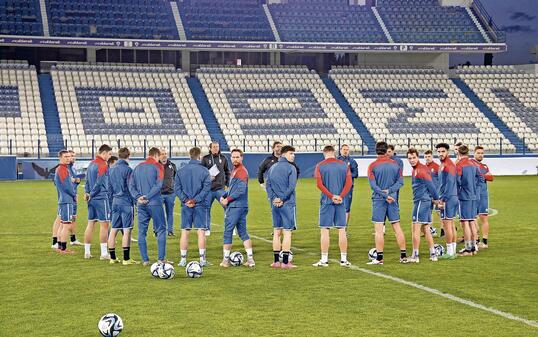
column 487, row 21
column 91, row 149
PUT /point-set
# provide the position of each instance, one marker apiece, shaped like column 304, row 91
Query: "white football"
column 194, row 269
column 154, row 269
column 166, row 271
column 110, row 325
column 236, row 259
column 372, row 254
column 281, row 256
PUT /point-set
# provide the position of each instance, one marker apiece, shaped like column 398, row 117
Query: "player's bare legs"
column 484, row 219
column 277, row 247
column 286, row 248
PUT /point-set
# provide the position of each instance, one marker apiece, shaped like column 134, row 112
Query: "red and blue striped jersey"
column 469, row 179
column 423, row 186
column 97, row 183
column 333, row 177
column 484, row 171
column 385, row 174
column 434, row 170
column 237, row 193
column 447, row 179
column 64, row 185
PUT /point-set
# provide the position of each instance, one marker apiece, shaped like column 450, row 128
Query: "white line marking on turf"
column 446, row 295
column 493, row 211
column 433, row 291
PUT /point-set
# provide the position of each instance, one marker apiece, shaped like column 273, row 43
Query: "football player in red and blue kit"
column 434, row 170
column 235, row 202
column 469, row 181
column 334, row 180
column 483, row 204
column 66, row 200
column 424, row 194
column 96, row 195
column 449, row 198
column 386, row 179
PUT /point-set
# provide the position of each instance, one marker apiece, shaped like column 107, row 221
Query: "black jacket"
column 223, row 178
column 266, row 165
column 169, row 176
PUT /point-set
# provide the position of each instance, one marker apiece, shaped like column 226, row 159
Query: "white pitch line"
column 433, row 291
column 448, row 296
column 494, row 212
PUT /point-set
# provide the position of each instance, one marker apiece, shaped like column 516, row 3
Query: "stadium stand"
column 55, row 138
column 291, row 104
column 218, row 20
column 510, row 94
column 326, row 21
column 20, row 17
column 208, row 115
column 127, row 103
column 416, row 107
column 141, row 19
column 21, row 115
column 420, row 21
column 426, row 21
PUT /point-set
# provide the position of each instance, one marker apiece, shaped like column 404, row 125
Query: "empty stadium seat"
column 510, row 94
column 142, row 19
column 216, row 20
column 258, row 105
column 21, row 114
column 20, row 17
column 426, row 21
column 325, row 21
column 127, row 103
column 416, row 107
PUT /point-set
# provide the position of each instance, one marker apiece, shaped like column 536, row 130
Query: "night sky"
column 519, row 19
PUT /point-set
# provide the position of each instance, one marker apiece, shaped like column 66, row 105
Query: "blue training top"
column 281, row 182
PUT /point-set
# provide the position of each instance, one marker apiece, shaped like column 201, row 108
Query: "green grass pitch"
column 45, row 294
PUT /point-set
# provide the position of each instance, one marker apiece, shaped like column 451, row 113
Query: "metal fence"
column 176, row 150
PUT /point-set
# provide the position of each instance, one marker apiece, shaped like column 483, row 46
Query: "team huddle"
column 115, row 192
column 451, row 189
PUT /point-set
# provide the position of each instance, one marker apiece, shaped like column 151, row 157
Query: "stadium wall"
column 39, row 169
column 434, row 60
column 499, row 166
column 8, row 168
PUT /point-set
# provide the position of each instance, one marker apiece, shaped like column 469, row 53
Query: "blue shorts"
column 483, row 205
column 284, row 217
column 98, row 210
column 422, row 212
column 66, row 212
column 332, row 216
column 195, row 217
column 450, row 210
column 75, row 211
column 235, row 217
column 382, row 210
column 122, row 217
column 468, row 210
column 348, row 199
